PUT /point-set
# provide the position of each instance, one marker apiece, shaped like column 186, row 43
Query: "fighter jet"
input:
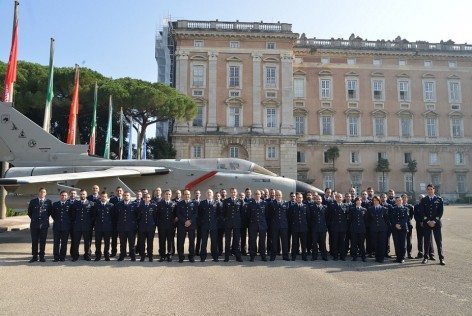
column 41, row 160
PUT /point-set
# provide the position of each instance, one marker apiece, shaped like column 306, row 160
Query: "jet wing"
column 108, row 173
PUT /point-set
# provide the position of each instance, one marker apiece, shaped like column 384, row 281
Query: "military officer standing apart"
column 278, row 217
column 147, row 220
column 61, row 227
column 186, row 215
column 432, row 209
column 377, row 217
column 232, row 219
column 82, row 217
column 208, row 221
column 126, row 217
column 257, row 210
column 104, row 216
column 39, row 210
column 317, row 220
column 357, row 215
column 165, row 226
column 419, row 231
column 114, row 234
column 298, row 226
column 399, row 227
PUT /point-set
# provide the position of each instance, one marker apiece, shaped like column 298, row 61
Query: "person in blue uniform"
column 126, row 223
column 118, row 197
column 82, row 218
column 337, row 217
column 208, row 221
column 147, row 220
column 232, row 220
column 398, row 219
column 366, row 203
column 103, row 218
column 298, row 226
column 432, row 209
column 357, row 215
column 156, row 195
column 377, row 217
column 72, row 199
column 61, row 227
column 317, row 221
column 186, row 214
column 245, row 222
column 197, row 195
column 165, row 226
column 309, row 201
column 257, row 210
column 39, row 210
column 384, row 202
column 418, row 216
column 278, row 218
column 409, row 207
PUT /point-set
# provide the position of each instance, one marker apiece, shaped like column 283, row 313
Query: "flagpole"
column 10, row 78
column 130, row 138
column 93, row 128
column 121, row 134
column 50, row 92
column 106, row 153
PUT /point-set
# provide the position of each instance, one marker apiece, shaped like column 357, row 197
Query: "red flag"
column 10, row 76
column 74, row 110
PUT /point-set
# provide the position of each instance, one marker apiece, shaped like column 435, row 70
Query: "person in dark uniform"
column 245, row 221
column 384, row 202
column 165, row 226
column 61, row 227
column 278, row 217
column 197, row 199
column 186, row 214
column 118, row 197
column 348, row 201
column 419, row 231
column 391, row 197
column 310, row 204
column 269, row 200
column 409, row 207
column 126, row 223
column 370, row 193
column 357, row 215
column 432, row 209
column 377, row 217
column 39, row 210
column 337, row 217
column 317, row 217
column 156, row 196
column 257, row 210
column 72, row 199
column 147, row 220
column 95, row 198
column 221, row 222
column 232, row 218
column 298, row 226
column 399, row 227
column 367, row 203
column 104, row 217
column 82, row 217
column 176, row 199
column 208, row 221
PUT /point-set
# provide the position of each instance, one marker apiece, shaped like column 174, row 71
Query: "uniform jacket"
column 399, row 215
column 61, row 216
column 165, row 214
column 186, row 211
column 258, row 215
column 432, row 209
column 232, row 212
column 411, row 214
column 82, row 215
column 208, row 212
column 278, row 215
column 377, row 218
column 104, row 216
column 39, row 213
column 298, row 220
column 338, row 216
column 147, row 217
column 357, row 219
column 126, row 217
column 317, row 215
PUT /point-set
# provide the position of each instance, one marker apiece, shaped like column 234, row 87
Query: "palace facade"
column 279, row 99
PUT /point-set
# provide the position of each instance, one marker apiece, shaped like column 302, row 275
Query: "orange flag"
column 10, row 76
column 74, row 110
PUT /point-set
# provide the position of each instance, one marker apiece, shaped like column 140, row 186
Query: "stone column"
column 181, row 83
column 256, row 92
column 212, row 89
column 287, row 94
column 288, row 158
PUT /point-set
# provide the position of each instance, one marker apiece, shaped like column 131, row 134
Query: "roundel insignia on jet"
column 32, row 143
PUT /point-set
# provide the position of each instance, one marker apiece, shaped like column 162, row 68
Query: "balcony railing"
column 234, row 26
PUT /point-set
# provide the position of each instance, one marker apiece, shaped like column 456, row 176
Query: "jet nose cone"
column 304, row 187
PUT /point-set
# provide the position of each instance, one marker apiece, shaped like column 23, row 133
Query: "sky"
column 117, row 37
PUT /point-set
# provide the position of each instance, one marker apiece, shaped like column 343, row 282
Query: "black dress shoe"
column 55, row 260
column 363, row 259
column 354, row 258
column 420, row 255
column 401, row 261
column 181, row 260
column 264, row 258
column 432, row 258
column 410, row 257
column 293, row 258
column 425, row 261
column 75, row 259
column 226, row 260
column 142, row 259
column 150, row 259
column 441, row 262
column 239, row 259
column 41, row 259
column 202, row 259
column 133, row 259
column 215, row 260
column 169, row 259
column 113, row 253
column 162, row 259
column 251, row 259
column 97, row 259
column 62, row 259
column 88, row 258
column 34, row 259
column 192, row 260
column 121, row 258
column 107, row 258
column 325, row 258
column 272, row 259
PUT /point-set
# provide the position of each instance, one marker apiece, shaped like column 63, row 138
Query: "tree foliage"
column 332, row 154
column 383, row 165
column 159, row 148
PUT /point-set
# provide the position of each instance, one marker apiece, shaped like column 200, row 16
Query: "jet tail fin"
column 23, row 142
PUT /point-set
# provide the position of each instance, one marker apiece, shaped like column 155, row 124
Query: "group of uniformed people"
column 250, row 224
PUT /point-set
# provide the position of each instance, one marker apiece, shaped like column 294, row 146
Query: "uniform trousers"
column 279, row 235
column 182, row 233
column 357, row 245
column 213, row 233
column 38, row 235
column 99, row 236
column 428, row 240
column 298, row 238
column 127, row 237
column 59, row 249
column 146, row 237
column 318, row 244
column 166, row 238
column 78, row 235
column 253, row 245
